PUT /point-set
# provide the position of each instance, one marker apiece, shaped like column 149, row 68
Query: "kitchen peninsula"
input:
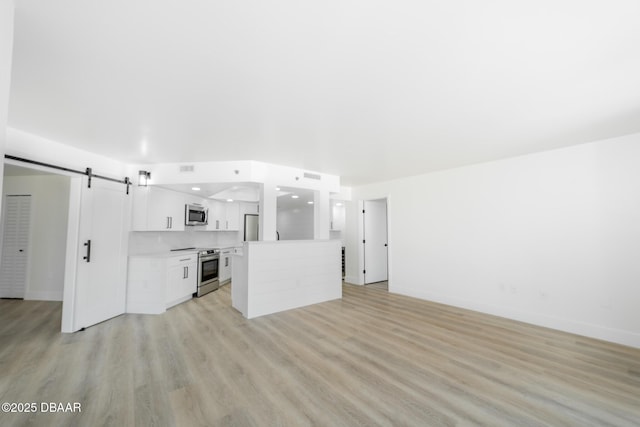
column 273, row 276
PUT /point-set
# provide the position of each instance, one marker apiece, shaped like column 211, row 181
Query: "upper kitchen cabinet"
column 158, row 209
column 216, row 215
column 223, row 216
column 232, row 216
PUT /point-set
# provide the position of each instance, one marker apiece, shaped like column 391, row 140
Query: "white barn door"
column 15, row 246
column 100, row 292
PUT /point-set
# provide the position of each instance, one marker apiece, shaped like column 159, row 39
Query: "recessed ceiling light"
column 338, row 204
column 277, row 188
column 229, row 200
column 294, row 196
column 195, row 188
column 310, row 202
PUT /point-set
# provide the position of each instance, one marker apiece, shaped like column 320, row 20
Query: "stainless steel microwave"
column 195, row 215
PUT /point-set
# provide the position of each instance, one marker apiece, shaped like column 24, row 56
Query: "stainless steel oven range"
column 208, row 267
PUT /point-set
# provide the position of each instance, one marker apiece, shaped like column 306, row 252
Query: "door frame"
column 69, row 309
column 355, row 230
column 69, row 306
column 364, row 238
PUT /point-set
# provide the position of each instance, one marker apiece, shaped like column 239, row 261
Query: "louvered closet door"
column 15, row 246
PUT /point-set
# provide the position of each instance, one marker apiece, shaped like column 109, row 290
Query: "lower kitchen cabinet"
column 157, row 282
column 225, row 266
column 181, row 279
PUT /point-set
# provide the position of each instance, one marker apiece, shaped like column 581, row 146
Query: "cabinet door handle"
column 170, row 222
column 88, row 256
column 167, row 223
column 217, row 224
column 184, row 272
column 227, row 225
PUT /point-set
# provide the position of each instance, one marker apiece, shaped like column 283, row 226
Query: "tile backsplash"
column 145, row 242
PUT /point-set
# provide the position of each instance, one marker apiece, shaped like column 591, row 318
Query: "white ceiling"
column 368, row 90
column 287, row 200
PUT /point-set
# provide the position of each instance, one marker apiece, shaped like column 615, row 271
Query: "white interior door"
column 375, row 241
column 102, row 267
column 15, row 246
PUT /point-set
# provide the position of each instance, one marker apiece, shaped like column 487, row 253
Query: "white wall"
column 353, row 235
column 551, row 238
column 6, row 51
column 338, row 217
column 50, row 208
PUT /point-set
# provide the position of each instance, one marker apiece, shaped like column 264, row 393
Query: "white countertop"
column 166, row 254
column 186, row 252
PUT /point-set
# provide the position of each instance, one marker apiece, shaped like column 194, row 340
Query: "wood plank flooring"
column 370, row 359
column 382, row 286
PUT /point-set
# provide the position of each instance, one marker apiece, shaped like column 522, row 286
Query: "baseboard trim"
column 6, row 292
column 352, row 280
column 604, row 333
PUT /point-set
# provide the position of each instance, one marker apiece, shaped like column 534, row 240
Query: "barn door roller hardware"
column 88, row 171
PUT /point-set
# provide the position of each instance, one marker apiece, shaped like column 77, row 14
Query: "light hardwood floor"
column 382, row 286
column 372, row 358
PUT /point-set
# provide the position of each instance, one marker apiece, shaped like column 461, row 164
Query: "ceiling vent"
column 312, row 176
column 186, row 168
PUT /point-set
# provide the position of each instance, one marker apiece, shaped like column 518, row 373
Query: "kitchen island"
column 273, row 276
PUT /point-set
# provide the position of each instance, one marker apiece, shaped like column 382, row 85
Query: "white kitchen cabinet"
column 165, row 210
column 216, row 215
column 182, row 281
column 225, row 266
column 232, row 212
column 158, row 209
column 157, row 282
column 223, row 216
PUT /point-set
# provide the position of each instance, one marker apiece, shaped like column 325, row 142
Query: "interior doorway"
column 375, row 245
column 16, row 236
column 34, row 234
